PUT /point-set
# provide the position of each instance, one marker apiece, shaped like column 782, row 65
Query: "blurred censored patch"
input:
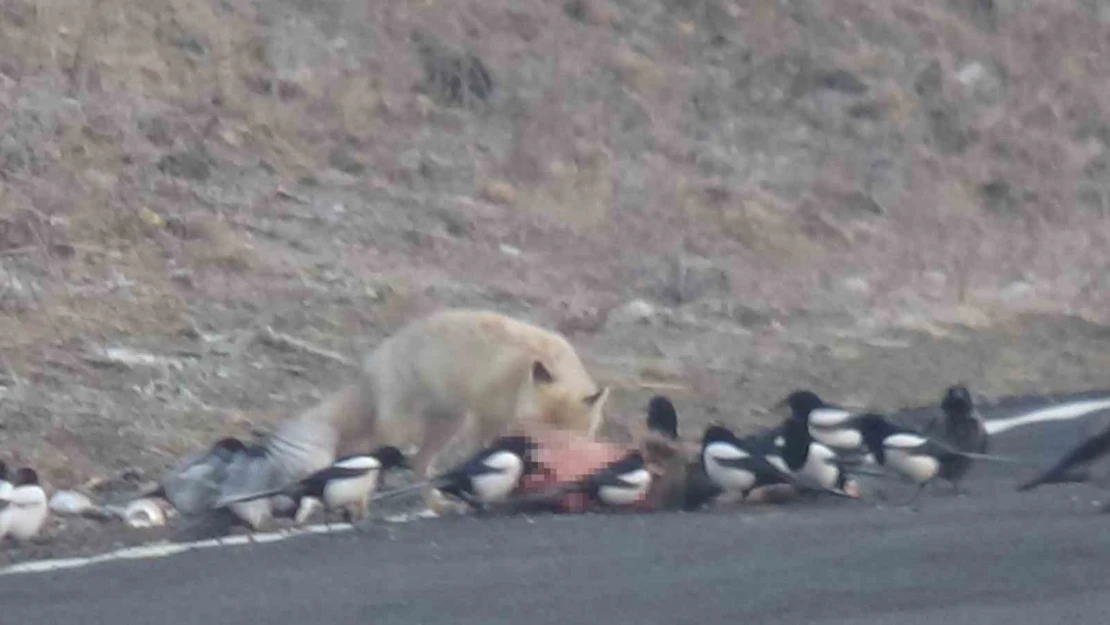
column 566, row 457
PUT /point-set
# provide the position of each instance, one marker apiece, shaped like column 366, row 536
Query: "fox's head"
column 568, row 402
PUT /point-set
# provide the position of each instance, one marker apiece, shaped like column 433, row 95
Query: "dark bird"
column 488, row 477
column 23, row 508
column 673, row 460
column 662, row 417
column 833, row 426
column 962, row 428
column 738, row 465
column 1075, row 465
column 345, row 486
column 617, row 484
column 910, row 454
column 813, row 466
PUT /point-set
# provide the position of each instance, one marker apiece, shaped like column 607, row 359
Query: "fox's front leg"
column 441, row 431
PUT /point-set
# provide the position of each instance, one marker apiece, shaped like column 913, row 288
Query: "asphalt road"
column 992, row 556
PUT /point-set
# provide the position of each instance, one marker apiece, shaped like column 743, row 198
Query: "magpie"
column 672, row 459
column 24, row 508
column 813, row 466
column 910, row 454
column 738, row 465
column 829, row 424
column 662, row 417
column 962, row 428
column 1075, row 465
column 619, row 483
column 488, row 477
column 346, row 485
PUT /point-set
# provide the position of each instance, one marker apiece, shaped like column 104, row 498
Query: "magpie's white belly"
column 817, row 470
column 23, row 522
column 494, row 487
column 624, row 495
column 350, row 491
column 729, row 478
column 917, row 468
column 838, row 438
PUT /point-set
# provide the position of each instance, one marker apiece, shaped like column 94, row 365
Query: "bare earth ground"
column 871, row 199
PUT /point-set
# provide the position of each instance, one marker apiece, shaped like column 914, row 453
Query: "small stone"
column 144, row 513
column 68, row 502
column 1017, row 290
column 499, row 193
column 636, row 311
column 857, row 285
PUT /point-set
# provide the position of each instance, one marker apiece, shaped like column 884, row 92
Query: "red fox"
column 455, row 376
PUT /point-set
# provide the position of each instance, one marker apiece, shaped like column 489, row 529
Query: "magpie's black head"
column 957, row 401
column 519, row 445
column 25, row 476
column 634, row 458
column 391, row 457
column 874, row 428
column 662, row 416
column 801, row 403
column 716, row 434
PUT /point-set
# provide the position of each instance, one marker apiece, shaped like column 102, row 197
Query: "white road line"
column 1055, row 412
column 161, row 550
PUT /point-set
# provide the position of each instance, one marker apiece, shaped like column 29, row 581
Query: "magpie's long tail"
column 1010, row 459
column 389, row 494
column 225, row 501
column 857, row 468
column 1056, row 476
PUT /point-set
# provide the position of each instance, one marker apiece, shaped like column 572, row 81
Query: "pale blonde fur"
column 458, row 376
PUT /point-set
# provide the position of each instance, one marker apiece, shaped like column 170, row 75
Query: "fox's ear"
column 540, row 373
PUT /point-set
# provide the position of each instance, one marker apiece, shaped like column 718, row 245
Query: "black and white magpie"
column 487, row 477
column 616, row 485
column 738, row 465
column 23, row 508
column 492, row 474
column 829, row 424
column 346, row 485
column 813, row 466
column 619, row 483
column 910, row 454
